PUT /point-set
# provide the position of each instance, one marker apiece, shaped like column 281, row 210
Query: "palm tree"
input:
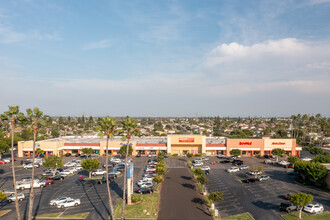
column 129, row 126
column 35, row 117
column 108, row 126
column 13, row 115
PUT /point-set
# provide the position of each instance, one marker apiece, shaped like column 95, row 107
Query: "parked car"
column 98, row 172
column 292, row 172
column 65, row 173
column 77, row 155
column 306, row 159
column 138, row 155
column 2, row 162
column 67, row 154
column 47, row 181
column 268, row 161
column 8, row 192
column 57, row 177
column 255, row 173
column 150, row 169
column 147, row 185
column 205, row 158
column 48, row 173
column 283, row 163
column 142, row 182
column 197, row 164
column 58, row 200
column 148, row 178
column 27, row 185
column 287, row 196
column 249, row 180
column 205, row 168
column 314, row 208
column 243, row 167
column 225, row 161
column 68, row 203
column 104, row 180
column 144, row 190
column 29, row 166
column 263, row 178
column 12, row 198
column 287, row 206
column 232, row 169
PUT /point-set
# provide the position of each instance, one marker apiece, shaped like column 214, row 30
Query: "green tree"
column 198, row 172
column 13, row 115
column 90, row 165
column 202, row 180
column 35, row 118
column 316, row 171
column 88, row 150
column 256, row 169
column 161, row 170
column 122, row 151
column 316, row 150
column 55, row 133
column 300, row 200
column 3, row 196
column 4, row 147
column 293, row 160
column 322, row 159
column 215, row 196
column 278, row 152
column 235, row 152
column 53, row 163
column 158, row 179
column 129, row 128
column 39, row 152
column 107, row 126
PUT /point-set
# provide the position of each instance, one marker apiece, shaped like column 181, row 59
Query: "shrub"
column 316, row 150
column 293, row 159
column 175, row 155
column 322, row 159
column 189, row 155
column 136, row 198
column 198, row 172
column 158, row 179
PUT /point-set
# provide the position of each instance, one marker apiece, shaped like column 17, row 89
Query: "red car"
column 287, row 196
column 48, row 181
column 2, row 162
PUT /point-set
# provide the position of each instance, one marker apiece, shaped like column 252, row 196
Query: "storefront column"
column 46, row 154
column 111, row 152
column 252, row 153
column 67, row 151
column 29, row 153
column 298, row 153
column 78, row 151
column 146, row 152
column 157, row 152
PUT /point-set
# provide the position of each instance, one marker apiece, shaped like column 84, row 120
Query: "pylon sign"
column 130, row 171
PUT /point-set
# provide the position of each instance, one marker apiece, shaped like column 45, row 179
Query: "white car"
column 205, row 168
column 147, row 185
column 6, row 160
column 29, row 166
column 98, row 172
column 27, row 185
column 150, row 169
column 68, row 203
column 255, row 172
column 284, row 162
column 263, row 177
column 306, row 159
column 142, row 182
column 72, row 169
column 58, row 200
column 78, row 167
column 65, row 173
column 205, row 158
column 243, row 167
column 20, row 197
column 198, row 164
column 148, row 178
column 116, row 160
column 314, row 208
column 232, row 169
column 116, row 172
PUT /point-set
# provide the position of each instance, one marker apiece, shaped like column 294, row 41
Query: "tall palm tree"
column 14, row 116
column 129, row 126
column 35, row 117
column 108, row 126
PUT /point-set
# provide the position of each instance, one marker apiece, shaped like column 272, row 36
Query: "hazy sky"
column 166, row 58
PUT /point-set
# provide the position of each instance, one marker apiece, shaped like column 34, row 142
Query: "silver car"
column 20, row 197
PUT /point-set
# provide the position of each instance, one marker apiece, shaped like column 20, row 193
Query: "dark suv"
column 145, row 190
column 287, row 206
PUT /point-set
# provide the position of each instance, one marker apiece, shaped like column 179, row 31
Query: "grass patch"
column 149, row 205
column 93, row 178
column 80, row 215
column 294, row 216
column 53, row 215
column 3, row 212
column 243, row 216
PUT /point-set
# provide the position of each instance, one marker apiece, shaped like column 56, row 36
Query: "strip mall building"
column 172, row 144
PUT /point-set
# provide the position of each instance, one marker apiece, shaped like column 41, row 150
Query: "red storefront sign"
column 278, row 143
column 245, row 143
column 187, row 140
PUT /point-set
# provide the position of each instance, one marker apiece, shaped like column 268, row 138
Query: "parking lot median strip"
column 3, row 212
column 147, row 209
column 59, row 216
column 94, row 178
column 294, row 216
column 243, row 216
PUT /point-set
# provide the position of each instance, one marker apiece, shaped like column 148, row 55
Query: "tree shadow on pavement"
column 188, row 185
column 98, row 195
column 198, row 201
column 38, row 205
column 90, row 201
column 186, row 177
column 115, row 187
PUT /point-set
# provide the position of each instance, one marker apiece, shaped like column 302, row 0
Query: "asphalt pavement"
column 180, row 198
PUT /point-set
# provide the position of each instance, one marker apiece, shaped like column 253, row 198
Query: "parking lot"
column 93, row 196
column 261, row 199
